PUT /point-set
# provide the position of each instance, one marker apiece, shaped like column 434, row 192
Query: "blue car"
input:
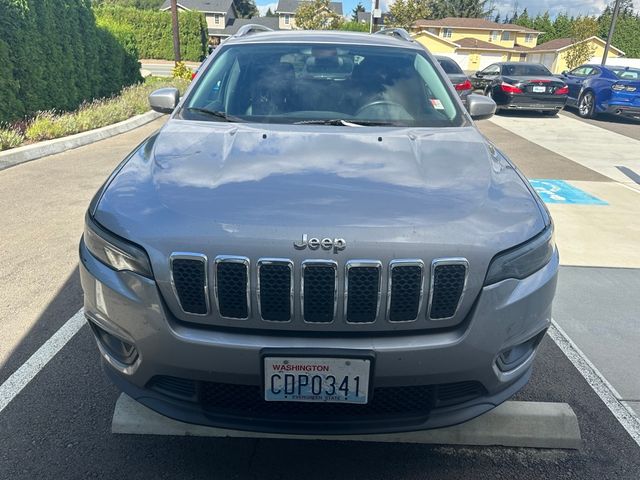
column 595, row 89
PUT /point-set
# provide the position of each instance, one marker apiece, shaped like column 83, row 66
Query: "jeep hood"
column 228, row 188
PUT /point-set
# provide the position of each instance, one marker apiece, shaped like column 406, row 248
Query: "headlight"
column 523, row 260
column 115, row 252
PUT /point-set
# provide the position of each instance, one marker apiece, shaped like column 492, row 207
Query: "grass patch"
column 99, row 113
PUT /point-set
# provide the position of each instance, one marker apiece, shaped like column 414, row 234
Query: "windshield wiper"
column 214, row 113
column 344, row 123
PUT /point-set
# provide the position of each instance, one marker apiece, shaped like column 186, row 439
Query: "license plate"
column 537, row 89
column 306, row 379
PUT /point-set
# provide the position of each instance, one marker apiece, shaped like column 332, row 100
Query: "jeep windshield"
column 327, row 84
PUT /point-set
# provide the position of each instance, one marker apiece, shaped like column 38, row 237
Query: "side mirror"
column 164, row 100
column 565, row 73
column 480, row 107
column 479, row 74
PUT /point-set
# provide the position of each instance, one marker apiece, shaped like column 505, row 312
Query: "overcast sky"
column 572, row 7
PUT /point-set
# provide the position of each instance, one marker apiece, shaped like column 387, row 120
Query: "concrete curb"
column 512, row 424
column 19, row 155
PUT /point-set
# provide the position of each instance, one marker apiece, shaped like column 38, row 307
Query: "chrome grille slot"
column 275, row 289
column 319, row 290
column 448, row 282
column 232, row 286
column 406, row 284
column 362, row 290
column 189, row 282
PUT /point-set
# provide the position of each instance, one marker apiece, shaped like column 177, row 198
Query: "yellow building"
column 554, row 52
column 476, row 42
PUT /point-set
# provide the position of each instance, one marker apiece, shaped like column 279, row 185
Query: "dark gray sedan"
column 522, row 86
column 460, row 80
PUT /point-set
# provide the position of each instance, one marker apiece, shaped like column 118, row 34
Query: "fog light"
column 515, row 356
column 120, row 350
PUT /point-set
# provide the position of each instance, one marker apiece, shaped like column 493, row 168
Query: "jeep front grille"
column 320, row 290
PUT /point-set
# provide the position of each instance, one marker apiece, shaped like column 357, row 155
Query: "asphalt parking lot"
column 58, row 425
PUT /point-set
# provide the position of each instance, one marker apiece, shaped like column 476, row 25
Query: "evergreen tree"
column 524, row 20
column 354, row 12
column 562, row 26
column 497, row 19
column 542, row 23
column 461, row 8
column 246, row 8
column 269, row 13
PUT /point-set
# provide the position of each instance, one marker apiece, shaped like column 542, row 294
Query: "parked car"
column 522, row 86
column 458, row 78
column 318, row 240
column 595, row 89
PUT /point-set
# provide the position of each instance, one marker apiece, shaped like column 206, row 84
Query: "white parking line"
column 607, row 393
column 29, row 369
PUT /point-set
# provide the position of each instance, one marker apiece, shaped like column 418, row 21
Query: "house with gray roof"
column 219, row 15
column 286, row 11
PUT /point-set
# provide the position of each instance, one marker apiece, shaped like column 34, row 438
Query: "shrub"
column 98, row 113
column 153, row 31
column 54, row 56
column 10, row 138
column 182, row 71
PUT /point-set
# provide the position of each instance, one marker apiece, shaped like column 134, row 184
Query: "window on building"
column 432, row 30
column 506, row 35
column 495, row 35
column 217, row 18
column 286, row 19
column 447, row 32
column 528, row 38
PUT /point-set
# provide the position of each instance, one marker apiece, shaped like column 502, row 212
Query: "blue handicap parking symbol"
column 559, row 191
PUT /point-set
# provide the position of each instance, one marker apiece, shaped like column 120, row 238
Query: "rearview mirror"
column 164, row 100
column 480, row 107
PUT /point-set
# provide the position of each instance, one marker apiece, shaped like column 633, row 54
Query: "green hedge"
column 154, row 34
column 53, row 56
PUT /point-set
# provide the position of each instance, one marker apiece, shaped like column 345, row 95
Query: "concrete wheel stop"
column 512, row 424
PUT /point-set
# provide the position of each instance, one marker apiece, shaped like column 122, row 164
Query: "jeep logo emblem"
column 336, row 244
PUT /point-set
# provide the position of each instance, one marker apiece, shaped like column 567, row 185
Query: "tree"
column 524, row 20
column 269, row 13
column 246, row 8
column 405, row 12
column 562, row 26
column 542, row 23
column 497, row 19
column 581, row 51
column 461, row 8
column 626, row 36
column 317, row 15
column 141, row 4
column 354, row 12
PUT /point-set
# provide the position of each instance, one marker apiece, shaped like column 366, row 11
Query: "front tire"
column 587, row 105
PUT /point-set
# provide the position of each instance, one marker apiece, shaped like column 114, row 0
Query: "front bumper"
column 130, row 308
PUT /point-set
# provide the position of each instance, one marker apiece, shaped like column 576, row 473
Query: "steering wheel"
column 377, row 103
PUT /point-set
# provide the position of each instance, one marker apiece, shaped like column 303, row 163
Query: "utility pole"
column 612, row 28
column 375, row 15
column 176, row 31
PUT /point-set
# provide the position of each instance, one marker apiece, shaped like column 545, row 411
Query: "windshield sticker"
column 437, row 104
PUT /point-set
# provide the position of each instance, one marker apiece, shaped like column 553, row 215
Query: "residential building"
column 475, row 42
column 218, row 14
column 286, row 11
column 554, row 52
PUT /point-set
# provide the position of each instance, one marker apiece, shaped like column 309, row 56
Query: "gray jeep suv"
column 319, row 240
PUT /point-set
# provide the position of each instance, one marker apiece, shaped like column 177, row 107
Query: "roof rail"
column 400, row 33
column 251, row 28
